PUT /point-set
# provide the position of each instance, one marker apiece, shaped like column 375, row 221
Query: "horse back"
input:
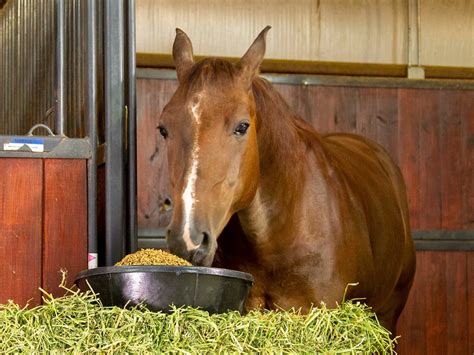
column 373, row 179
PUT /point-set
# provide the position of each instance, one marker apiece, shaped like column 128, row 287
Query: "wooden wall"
column 429, row 133
column 43, row 226
column 439, row 315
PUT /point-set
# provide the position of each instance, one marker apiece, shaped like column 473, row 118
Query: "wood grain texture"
column 409, row 150
column 467, row 157
column 436, row 303
column 152, row 165
column 436, row 318
column 426, row 106
column 365, row 31
column 65, row 221
column 411, row 326
column 450, row 114
column 470, row 305
column 21, row 192
column 369, row 31
column 457, row 321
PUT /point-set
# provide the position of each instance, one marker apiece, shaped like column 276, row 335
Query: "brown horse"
column 257, row 189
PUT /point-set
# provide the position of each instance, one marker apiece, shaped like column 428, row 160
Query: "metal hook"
column 40, row 125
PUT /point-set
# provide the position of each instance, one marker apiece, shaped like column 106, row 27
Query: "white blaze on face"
column 189, row 192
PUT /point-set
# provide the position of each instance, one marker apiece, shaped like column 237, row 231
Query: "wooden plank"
column 65, row 221
column 325, row 103
column 152, row 165
column 411, row 324
column 345, row 118
column 450, row 113
column 438, row 316
column 457, row 302
column 429, row 155
column 21, row 193
column 409, row 115
column 467, row 156
column 377, row 117
column 300, row 99
column 436, row 303
column 470, row 304
column 366, row 121
column 386, row 118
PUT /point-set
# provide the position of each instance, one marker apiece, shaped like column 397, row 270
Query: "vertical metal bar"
column 114, row 122
column 132, row 131
column 60, row 104
column 91, row 66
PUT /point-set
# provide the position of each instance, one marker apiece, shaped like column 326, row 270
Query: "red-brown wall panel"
column 65, row 221
column 429, row 133
column 436, row 319
column 21, row 193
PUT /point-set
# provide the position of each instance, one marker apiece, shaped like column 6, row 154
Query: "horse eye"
column 241, row 128
column 163, row 132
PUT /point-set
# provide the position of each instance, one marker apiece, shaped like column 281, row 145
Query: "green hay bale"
column 78, row 323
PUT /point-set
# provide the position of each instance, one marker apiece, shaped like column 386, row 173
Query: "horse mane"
column 279, row 127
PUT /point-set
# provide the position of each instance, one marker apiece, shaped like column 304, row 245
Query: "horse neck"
column 285, row 143
column 280, row 134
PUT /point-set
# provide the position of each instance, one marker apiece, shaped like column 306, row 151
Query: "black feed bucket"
column 159, row 287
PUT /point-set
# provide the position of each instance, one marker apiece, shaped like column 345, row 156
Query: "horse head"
column 210, row 129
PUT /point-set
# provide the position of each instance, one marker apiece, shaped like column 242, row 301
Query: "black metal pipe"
column 91, row 65
column 114, row 121
column 132, row 131
column 60, row 53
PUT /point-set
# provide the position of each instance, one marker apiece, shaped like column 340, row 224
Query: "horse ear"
column 182, row 54
column 251, row 60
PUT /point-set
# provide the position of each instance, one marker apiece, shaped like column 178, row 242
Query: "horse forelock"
column 211, row 73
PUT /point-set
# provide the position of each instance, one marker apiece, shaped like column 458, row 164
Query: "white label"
column 36, row 148
column 92, row 259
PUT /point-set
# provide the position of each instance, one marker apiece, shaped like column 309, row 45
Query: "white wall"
column 359, row 31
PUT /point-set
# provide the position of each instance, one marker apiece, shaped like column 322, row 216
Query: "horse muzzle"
column 199, row 249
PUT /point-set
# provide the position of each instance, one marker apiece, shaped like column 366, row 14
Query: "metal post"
column 91, row 65
column 60, row 53
column 132, row 131
column 114, row 122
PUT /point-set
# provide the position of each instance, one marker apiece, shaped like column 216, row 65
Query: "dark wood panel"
column 467, row 156
column 429, row 159
column 470, row 297
column 65, row 221
column 411, row 327
column 152, row 165
column 450, row 107
column 429, row 133
column 324, row 112
column 436, row 304
column 456, row 312
column 435, row 319
column 409, row 150
column 21, row 191
column 367, row 112
column 386, row 121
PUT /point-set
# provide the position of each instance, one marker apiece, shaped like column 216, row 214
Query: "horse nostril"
column 205, row 240
column 168, row 233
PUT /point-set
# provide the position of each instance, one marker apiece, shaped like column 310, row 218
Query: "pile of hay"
column 79, row 323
